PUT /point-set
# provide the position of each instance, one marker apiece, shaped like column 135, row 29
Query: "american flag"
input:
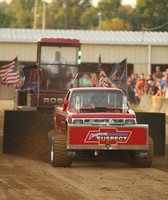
column 9, row 73
column 103, row 80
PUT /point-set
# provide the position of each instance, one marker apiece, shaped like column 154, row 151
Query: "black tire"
column 137, row 161
column 59, row 153
column 51, row 134
column 45, row 152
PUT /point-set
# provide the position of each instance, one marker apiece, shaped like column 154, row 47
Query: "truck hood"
column 102, row 115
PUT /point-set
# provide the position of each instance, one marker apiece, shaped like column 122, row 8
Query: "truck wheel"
column 46, row 148
column 145, row 162
column 51, row 134
column 59, row 153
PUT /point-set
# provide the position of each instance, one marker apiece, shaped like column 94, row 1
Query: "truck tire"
column 51, row 134
column 146, row 162
column 59, row 153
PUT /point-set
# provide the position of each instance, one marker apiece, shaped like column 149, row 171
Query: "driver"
column 99, row 100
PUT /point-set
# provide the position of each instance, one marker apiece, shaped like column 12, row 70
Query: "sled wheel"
column 146, row 162
column 59, row 153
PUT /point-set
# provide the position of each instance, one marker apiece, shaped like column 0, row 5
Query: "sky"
column 124, row 2
column 130, row 2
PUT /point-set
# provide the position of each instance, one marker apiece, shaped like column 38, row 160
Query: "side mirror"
column 65, row 104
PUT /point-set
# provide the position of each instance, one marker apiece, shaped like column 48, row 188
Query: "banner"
column 118, row 74
column 33, row 76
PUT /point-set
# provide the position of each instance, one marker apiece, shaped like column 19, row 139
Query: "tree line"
column 82, row 14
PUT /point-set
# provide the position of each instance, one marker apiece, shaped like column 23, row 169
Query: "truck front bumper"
column 107, row 137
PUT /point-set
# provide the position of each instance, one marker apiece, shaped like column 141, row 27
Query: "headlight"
column 129, row 122
column 77, row 121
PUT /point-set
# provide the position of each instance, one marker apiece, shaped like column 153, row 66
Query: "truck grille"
column 104, row 121
column 100, row 121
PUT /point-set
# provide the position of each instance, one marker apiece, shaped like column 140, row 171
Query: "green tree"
column 80, row 14
column 89, row 19
column 116, row 24
column 21, row 13
column 66, row 14
column 115, row 16
column 108, row 8
column 128, row 15
column 152, row 13
column 4, row 18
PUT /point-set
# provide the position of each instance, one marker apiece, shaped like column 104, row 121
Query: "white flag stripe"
column 12, row 81
column 103, row 82
column 5, row 71
column 8, row 65
column 12, row 77
column 5, row 75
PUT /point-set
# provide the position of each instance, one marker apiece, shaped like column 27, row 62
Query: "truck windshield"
column 59, row 67
column 96, row 98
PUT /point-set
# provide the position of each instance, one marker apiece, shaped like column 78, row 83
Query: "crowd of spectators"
column 151, row 84
column 137, row 85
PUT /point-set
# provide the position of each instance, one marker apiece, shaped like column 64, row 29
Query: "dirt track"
column 29, row 178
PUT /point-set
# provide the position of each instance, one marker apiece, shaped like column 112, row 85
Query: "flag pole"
column 126, row 79
column 38, row 83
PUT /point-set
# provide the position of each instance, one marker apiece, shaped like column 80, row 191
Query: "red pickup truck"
column 98, row 121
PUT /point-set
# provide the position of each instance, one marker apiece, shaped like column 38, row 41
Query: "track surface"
column 28, row 178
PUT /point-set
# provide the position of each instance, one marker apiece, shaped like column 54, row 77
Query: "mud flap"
column 157, row 129
column 26, row 131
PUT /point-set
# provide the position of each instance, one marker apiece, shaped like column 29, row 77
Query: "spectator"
column 163, row 83
column 165, row 90
column 136, row 76
column 130, row 91
column 150, row 82
column 165, row 71
column 137, row 97
column 133, row 79
column 141, row 86
column 157, row 74
column 142, row 76
column 85, row 80
column 153, row 88
column 158, row 88
column 94, row 80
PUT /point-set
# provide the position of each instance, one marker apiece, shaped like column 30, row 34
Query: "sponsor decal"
column 52, row 100
column 49, row 100
column 112, row 136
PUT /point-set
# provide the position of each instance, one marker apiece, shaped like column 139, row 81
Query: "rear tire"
column 51, row 134
column 59, row 154
column 137, row 161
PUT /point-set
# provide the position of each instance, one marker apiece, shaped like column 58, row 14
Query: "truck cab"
column 47, row 81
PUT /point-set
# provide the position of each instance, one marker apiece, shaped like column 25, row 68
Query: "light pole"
column 35, row 14
column 44, row 15
column 65, row 5
column 100, row 19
